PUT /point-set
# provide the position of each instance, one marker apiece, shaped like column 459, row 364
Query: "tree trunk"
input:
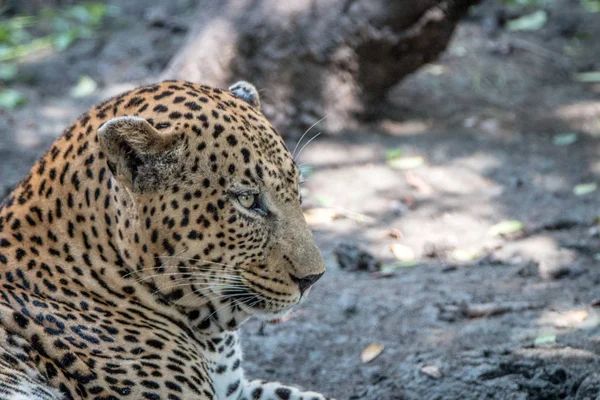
column 315, row 58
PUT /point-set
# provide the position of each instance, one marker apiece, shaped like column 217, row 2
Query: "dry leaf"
column 371, row 352
column 395, row 233
column 431, row 371
column 570, row 318
column 353, row 215
column 320, row 215
column 464, row 255
column 584, row 189
column 530, row 22
column 402, row 252
column 418, row 183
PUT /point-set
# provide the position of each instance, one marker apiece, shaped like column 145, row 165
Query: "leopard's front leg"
column 261, row 390
column 228, row 379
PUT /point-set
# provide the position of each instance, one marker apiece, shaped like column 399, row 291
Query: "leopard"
column 152, row 228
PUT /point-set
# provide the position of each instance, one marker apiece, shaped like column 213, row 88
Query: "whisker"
column 214, row 299
column 201, row 285
column 231, row 278
column 307, row 143
column 204, row 280
column 304, row 134
column 237, row 285
column 228, row 304
column 191, row 267
column 199, row 260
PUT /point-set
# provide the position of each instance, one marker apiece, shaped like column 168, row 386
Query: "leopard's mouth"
column 256, row 304
column 243, row 295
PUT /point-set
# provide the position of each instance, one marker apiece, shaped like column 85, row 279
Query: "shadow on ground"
column 518, row 316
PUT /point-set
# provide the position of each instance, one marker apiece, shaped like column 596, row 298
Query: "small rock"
column 470, row 122
column 159, row 17
column 398, row 208
column 529, row 269
column 594, row 232
column 449, row 312
column 492, row 24
column 557, row 375
column 435, row 250
column 353, row 258
column 156, row 16
column 449, row 268
column 490, row 125
column 349, row 304
column 501, row 48
column 568, row 25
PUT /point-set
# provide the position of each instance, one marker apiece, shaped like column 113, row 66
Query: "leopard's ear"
column 247, row 92
column 136, row 153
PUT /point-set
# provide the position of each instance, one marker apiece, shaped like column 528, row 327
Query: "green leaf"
column 12, row 52
column 24, row 35
column 591, row 6
column 96, row 11
column 63, row 40
column 584, row 189
column 84, row 87
column 529, row 22
column 7, row 71
column 588, row 77
column 564, row 139
column 88, row 13
column 406, row 162
column 506, row 227
column 392, row 154
column 545, row 338
column 10, row 99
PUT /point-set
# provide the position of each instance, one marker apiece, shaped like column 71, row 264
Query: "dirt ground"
column 478, row 316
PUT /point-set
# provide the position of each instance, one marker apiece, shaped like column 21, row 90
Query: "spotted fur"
column 150, row 230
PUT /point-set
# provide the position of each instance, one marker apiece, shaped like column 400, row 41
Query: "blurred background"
column 451, row 159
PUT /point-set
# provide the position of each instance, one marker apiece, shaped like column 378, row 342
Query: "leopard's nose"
column 306, row 281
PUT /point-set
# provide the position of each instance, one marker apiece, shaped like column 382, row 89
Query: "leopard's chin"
column 268, row 313
column 271, row 315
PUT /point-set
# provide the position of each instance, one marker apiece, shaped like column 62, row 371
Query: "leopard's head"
column 214, row 218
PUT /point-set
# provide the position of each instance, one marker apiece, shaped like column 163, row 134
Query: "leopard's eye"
column 247, row 200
